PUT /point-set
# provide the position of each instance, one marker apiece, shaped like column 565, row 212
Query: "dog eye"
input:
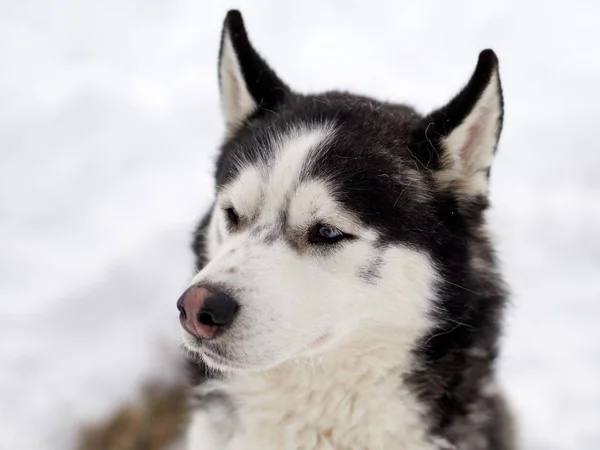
column 232, row 216
column 323, row 234
column 330, row 233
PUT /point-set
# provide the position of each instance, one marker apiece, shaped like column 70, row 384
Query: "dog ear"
column 247, row 84
column 464, row 134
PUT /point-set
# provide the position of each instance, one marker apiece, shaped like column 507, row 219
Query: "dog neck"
column 378, row 349
column 350, row 397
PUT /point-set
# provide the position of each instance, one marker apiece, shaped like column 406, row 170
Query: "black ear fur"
column 450, row 116
column 263, row 84
column 440, row 123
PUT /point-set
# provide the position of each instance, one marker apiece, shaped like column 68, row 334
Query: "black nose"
column 206, row 312
column 219, row 310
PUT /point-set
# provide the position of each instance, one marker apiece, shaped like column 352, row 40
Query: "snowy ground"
column 108, row 122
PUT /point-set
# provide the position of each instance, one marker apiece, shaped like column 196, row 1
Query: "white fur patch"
column 236, row 101
column 245, row 194
column 204, row 434
column 349, row 398
column 293, row 152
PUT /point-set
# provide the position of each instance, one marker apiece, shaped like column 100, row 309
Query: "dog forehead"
column 359, row 149
column 270, row 174
column 294, row 152
column 360, row 125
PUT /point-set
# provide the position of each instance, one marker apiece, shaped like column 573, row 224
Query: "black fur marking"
column 488, row 173
column 440, row 123
column 272, row 236
column 264, row 85
column 197, row 372
column 268, row 233
column 206, row 399
column 370, row 272
column 258, row 230
column 199, row 241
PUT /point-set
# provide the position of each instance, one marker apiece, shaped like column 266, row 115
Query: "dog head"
column 334, row 213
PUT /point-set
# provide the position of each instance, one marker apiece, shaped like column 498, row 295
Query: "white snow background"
column 109, row 122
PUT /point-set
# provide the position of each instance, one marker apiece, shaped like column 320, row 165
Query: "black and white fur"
column 385, row 338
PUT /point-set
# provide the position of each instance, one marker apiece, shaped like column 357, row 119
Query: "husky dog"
column 348, row 295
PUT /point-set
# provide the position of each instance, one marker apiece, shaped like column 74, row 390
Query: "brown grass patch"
column 154, row 422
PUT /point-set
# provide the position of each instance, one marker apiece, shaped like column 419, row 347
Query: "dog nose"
column 206, row 313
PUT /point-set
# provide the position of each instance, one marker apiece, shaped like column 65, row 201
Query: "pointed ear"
column 467, row 129
column 247, row 84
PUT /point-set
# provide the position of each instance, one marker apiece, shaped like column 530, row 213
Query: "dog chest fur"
column 352, row 399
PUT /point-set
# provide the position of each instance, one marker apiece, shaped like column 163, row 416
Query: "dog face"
column 334, row 214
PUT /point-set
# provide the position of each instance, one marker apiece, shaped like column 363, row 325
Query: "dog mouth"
column 215, row 358
column 212, row 355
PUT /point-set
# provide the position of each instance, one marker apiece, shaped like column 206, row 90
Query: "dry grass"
column 155, row 422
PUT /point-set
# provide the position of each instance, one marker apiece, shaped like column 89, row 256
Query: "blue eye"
column 330, row 233
column 323, row 234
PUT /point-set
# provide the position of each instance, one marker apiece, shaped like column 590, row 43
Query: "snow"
column 109, row 121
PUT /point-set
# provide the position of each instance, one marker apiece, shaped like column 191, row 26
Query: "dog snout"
column 205, row 312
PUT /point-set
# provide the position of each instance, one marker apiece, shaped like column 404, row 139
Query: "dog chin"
column 216, row 360
column 219, row 363
column 191, row 343
column 227, row 364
